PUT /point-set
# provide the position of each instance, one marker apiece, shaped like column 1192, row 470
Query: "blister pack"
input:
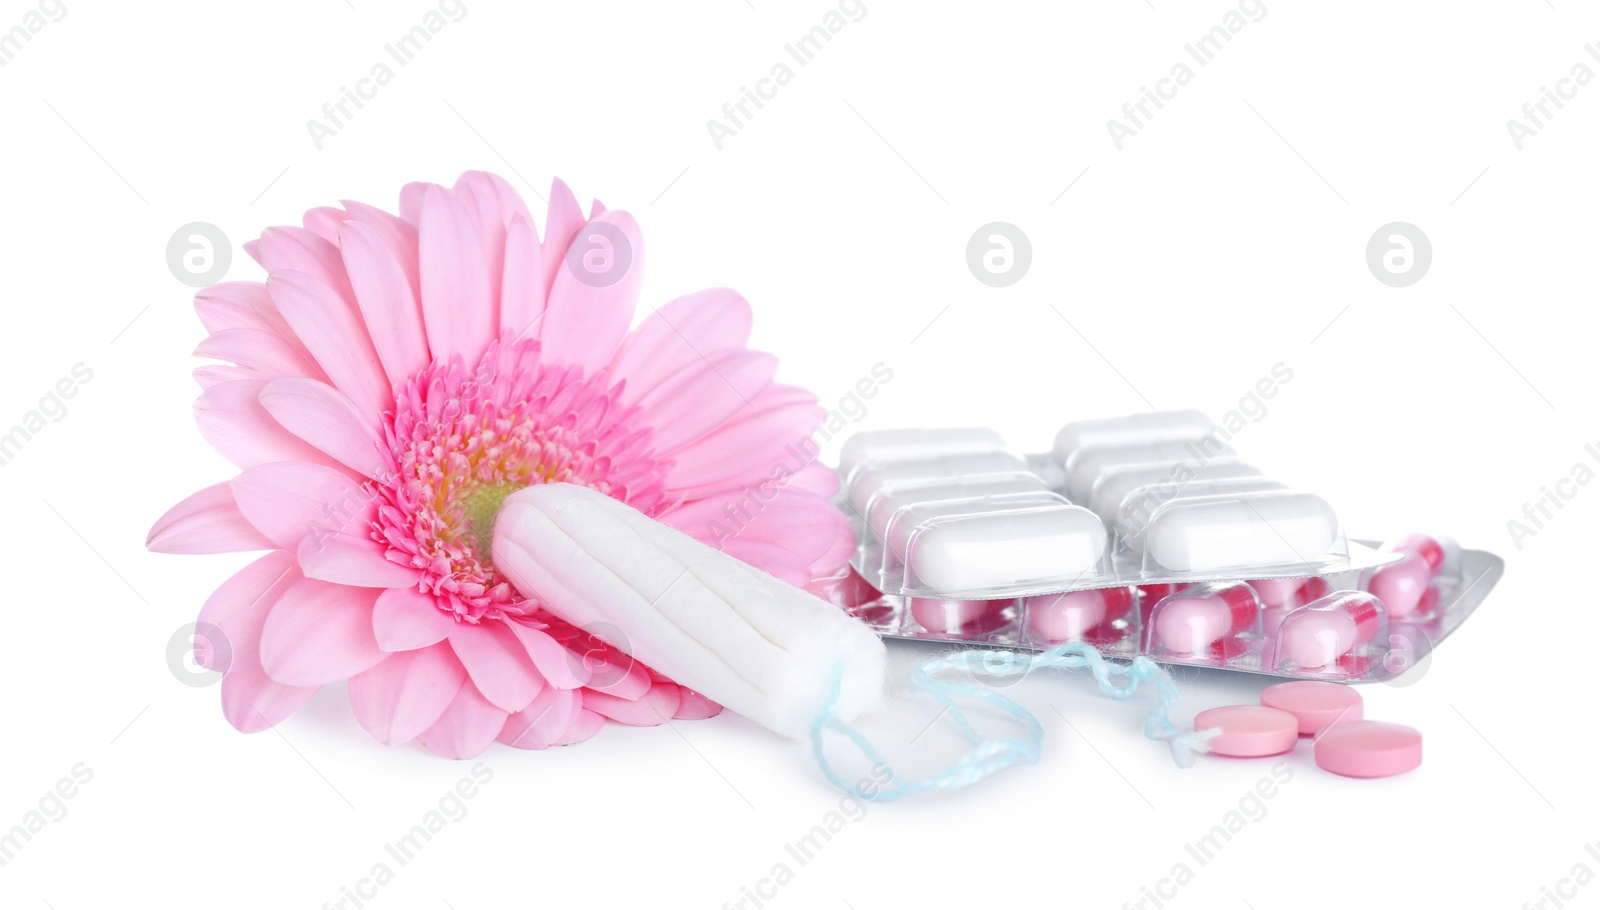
column 1144, row 534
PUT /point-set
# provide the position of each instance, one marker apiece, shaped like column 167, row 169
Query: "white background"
column 1227, row 236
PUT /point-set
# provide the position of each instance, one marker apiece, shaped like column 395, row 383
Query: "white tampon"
column 760, row 647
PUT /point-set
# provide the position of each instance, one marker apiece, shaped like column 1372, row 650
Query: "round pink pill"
column 1317, row 705
column 1249, row 731
column 1368, row 748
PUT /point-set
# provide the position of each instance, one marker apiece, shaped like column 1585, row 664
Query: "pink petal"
column 498, row 663
column 406, row 694
column 292, row 249
column 206, row 522
column 694, row 706
column 615, row 673
column 583, row 726
column 335, row 336
column 252, row 701
column 319, row 414
column 655, row 708
column 233, row 421
column 703, row 396
column 584, row 324
column 803, row 523
column 560, row 667
column 466, row 728
column 263, row 353
column 398, row 235
column 773, row 559
column 242, row 305
column 208, row 376
column 678, row 334
column 324, row 222
column 460, row 305
column 560, row 225
column 543, row 721
column 388, row 302
column 286, row 500
column 404, row 619
column 239, row 608
column 493, row 199
column 749, row 448
column 522, row 284
column 318, row 633
column 348, row 559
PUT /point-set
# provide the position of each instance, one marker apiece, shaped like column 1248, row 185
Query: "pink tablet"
column 1368, row 748
column 1315, row 704
column 1249, row 731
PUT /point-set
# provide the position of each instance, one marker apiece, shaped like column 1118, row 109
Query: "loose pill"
column 963, row 554
column 1073, row 616
column 1134, row 428
column 1196, row 618
column 1248, row 731
column 866, row 480
column 1316, row 704
column 900, row 445
column 1368, row 748
column 1089, row 463
column 1250, row 529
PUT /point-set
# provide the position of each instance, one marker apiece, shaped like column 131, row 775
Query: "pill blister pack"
column 1144, row 534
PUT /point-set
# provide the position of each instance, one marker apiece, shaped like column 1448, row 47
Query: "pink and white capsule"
column 1072, row 616
column 1403, row 586
column 1195, row 618
column 1319, row 634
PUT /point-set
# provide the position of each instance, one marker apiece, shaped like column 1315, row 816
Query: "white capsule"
column 902, row 445
column 903, row 524
column 969, row 554
column 1168, row 479
column 867, row 479
column 1134, row 512
column 1089, row 463
column 1155, row 426
column 1247, row 530
column 895, row 495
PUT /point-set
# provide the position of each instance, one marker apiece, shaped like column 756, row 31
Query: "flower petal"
column 498, row 663
column 561, row 223
column 460, row 306
column 679, row 333
column 318, row 633
column 543, row 721
column 319, row 414
column 773, row 559
column 239, row 608
column 265, row 354
column 694, row 706
column 398, row 234
column 233, row 421
column 252, row 701
column 287, row 500
column 560, row 667
column 335, row 336
column 747, row 449
column 404, row 619
column 588, row 313
column 803, row 523
column 656, row 707
column 466, row 728
column 583, row 726
column 242, row 305
column 406, row 694
column 388, row 302
column 348, row 559
column 522, row 298
column 207, row 522
column 703, row 396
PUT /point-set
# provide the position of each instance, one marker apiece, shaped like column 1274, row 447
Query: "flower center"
column 460, row 441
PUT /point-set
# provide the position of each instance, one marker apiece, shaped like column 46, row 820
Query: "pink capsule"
column 1289, row 592
column 1196, row 618
column 1402, row 585
column 1422, row 545
column 1273, row 611
column 1320, row 634
column 1076, row 614
column 937, row 615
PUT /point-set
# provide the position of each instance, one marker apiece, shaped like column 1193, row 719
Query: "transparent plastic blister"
column 1139, row 537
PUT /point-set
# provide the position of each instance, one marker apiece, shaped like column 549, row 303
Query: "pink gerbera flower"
column 392, row 381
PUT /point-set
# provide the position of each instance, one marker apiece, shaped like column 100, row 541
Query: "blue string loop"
column 991, row 755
